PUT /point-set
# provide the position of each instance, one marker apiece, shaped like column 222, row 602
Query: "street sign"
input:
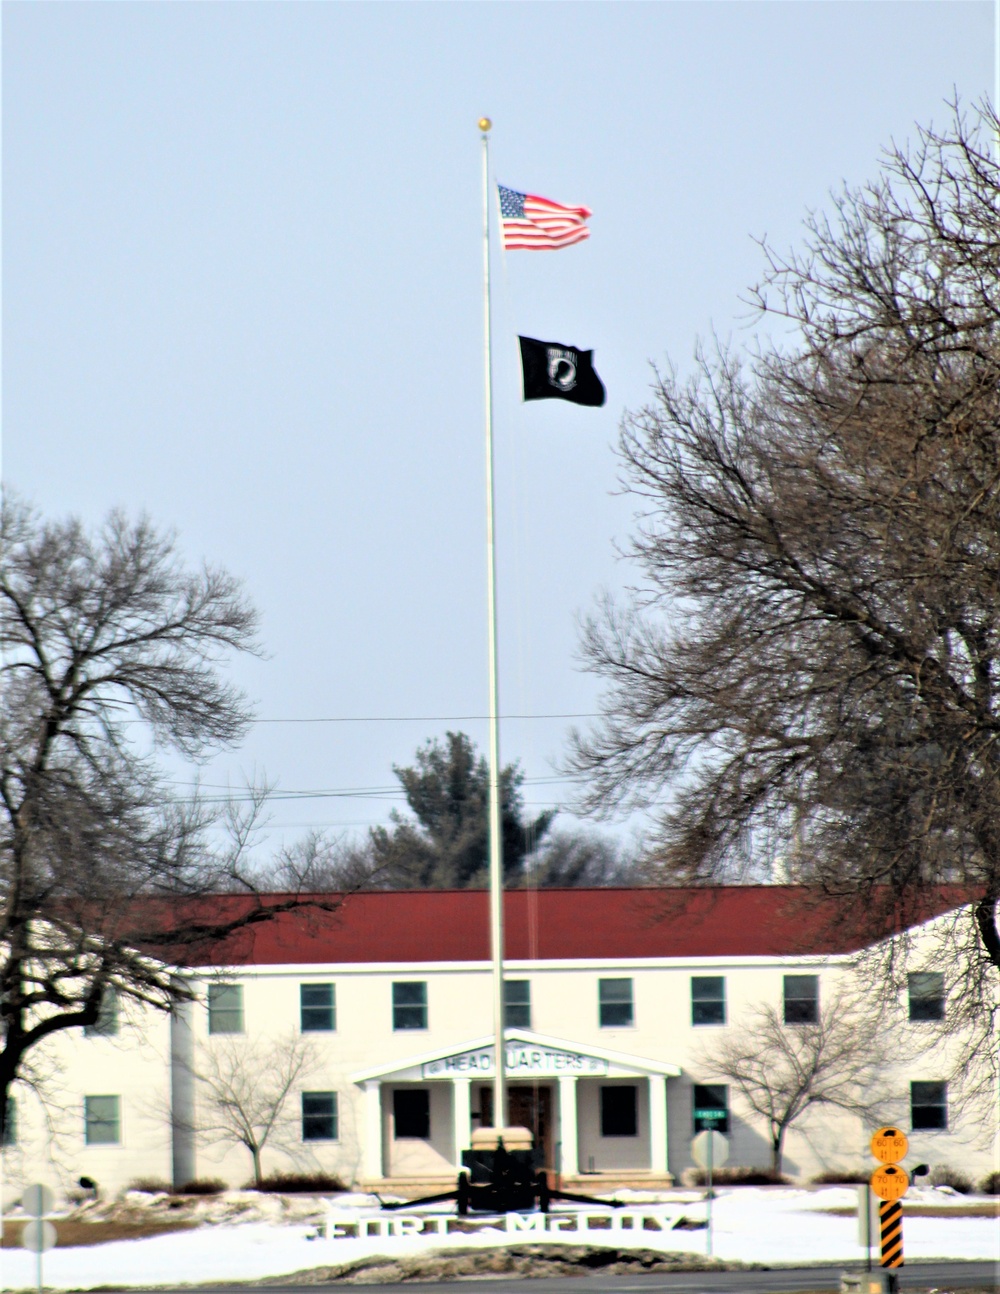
column 38, row 1236
column 38, row 1200
column 709, row 1149
column 889, row 1145
column 711, row 1116
column 890, row 1182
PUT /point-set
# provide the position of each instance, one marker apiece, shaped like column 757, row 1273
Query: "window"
column 619, row 1112
column 708, row 999
column 710, row 1104
column 102, row 1120
column 926, row 989
column 928, row 1106
column 615, row 1002
column 801, row 999
column 517, row 1003
column 319, row 1116
column 317, row 1008
column 10, row 1124
column 411, row 1113
column 225, row 1008
column 106, row 1025
column 409, row 1006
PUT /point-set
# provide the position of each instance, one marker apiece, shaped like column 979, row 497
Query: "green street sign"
column 710, row 1116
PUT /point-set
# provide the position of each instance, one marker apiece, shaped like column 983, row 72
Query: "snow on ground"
column 771, row 1225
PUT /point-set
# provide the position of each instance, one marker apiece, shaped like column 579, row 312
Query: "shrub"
column 942, row 1175
column 990, row 1185
column 293, row 1183
column 150, row 1186
column 737, row 1176
column 841, row 1177
column 202, row 1186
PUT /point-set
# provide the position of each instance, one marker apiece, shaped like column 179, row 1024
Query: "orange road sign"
column 890, row 1182
column 890, row 1216
column 889, row 1145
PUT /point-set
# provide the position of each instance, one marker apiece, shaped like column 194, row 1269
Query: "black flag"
column 551, row 371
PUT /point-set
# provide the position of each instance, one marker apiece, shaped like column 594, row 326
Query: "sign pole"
column 708, row 1201
column 495, row 837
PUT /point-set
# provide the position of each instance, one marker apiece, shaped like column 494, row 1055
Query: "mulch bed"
column 71, row 1233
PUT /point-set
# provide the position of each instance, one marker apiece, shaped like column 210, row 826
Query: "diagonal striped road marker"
column 890, row 1214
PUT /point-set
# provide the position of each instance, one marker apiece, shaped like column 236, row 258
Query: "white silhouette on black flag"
column 552, row 371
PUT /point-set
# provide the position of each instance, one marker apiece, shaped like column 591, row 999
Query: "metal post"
column 495, row 837
column 708, row 1210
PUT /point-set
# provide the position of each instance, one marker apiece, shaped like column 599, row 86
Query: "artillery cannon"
column 502, row 1173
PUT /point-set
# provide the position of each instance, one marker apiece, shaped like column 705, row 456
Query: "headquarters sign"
column 522, row 1061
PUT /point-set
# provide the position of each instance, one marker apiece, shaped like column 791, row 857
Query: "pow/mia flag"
column 551, row 371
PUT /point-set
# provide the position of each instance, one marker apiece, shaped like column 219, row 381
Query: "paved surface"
column 941, row 1277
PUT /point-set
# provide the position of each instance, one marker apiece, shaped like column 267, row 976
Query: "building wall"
column 564, row 1005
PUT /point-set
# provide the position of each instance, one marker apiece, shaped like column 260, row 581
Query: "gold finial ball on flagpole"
column 485, row 124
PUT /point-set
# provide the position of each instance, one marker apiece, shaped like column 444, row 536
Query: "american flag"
column 536, row 224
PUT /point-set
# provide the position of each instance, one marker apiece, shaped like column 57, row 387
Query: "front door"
column 531, row 1107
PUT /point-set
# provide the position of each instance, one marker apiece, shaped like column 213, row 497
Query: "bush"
column 942, row 1175
column 202, row 1186
column 990, row 1185
column 150, row 1186
column 737, row 1176
column 298, row 1183
column 841, row 1177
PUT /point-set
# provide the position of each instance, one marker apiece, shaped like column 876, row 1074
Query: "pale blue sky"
column 242, row 291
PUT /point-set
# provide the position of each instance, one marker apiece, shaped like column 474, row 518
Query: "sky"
column 242, row 293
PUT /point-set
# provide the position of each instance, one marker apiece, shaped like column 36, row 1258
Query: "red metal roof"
column 417, row 926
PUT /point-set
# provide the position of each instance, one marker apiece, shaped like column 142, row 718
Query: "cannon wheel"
column 544, row 1195
column 464, row 1195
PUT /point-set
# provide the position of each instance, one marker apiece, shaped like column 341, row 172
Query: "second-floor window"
column 409, row 1005
column 106, row 1024
column 317, row 1008
column 225, row 1008
column 801, row 999
column 614, row 997
column 926, row 994
column 708, row 999
column 517, row 1003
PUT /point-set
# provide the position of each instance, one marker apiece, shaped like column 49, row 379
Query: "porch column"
column 570, row 1164
column 658, row 1123
column 461, row 1110
column 373, row 1132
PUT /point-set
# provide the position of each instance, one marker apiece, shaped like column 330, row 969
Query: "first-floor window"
column 411, row 1113
column 711, row 1107
column 619, row 1111
column 106, row 1025
column 319, row 1116
column 10, row 1123
column 102, row 1120
column 928, row 1106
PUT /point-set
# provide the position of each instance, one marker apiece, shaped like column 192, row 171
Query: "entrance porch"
column 598, row 1117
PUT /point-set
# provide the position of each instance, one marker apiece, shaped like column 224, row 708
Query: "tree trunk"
column 777, row 1138
column 255, row 1151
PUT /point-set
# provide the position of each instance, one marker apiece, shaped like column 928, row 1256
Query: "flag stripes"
column 537, row 224
column 890, row 1213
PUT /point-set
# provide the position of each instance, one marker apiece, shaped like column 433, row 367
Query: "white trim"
column 640, row 1064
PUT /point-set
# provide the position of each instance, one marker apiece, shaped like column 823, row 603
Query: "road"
column 942, row 1276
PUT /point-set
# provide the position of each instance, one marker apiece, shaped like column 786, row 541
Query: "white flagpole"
column 495, row 836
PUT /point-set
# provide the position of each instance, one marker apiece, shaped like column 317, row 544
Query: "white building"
column 614, row 999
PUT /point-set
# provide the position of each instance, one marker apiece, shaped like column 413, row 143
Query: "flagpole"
column 495, row 837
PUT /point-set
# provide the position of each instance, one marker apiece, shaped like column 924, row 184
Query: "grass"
column 70, row 1232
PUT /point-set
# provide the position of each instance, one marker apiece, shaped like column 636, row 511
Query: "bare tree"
column 810, row 664
column 784, row 1070
column 245, row 1091
column 110, row 653
column 575, row 859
